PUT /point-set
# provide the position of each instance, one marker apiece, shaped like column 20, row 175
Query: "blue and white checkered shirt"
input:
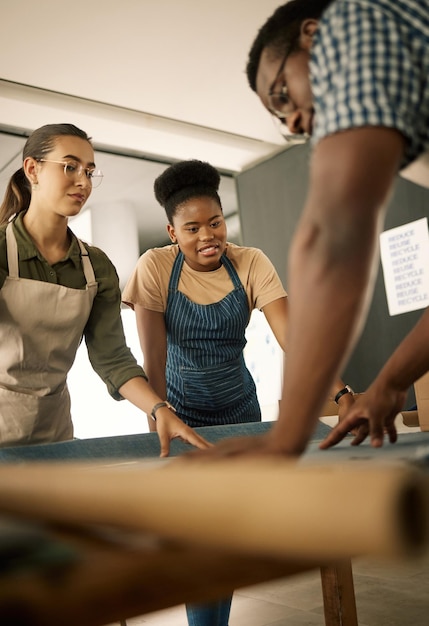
column 370, row 66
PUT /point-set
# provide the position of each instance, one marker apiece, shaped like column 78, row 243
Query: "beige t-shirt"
column 148, row 285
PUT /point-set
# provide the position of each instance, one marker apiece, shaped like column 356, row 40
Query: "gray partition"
column 271, row 195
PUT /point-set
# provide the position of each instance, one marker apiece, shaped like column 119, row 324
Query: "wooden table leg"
column 339, row 594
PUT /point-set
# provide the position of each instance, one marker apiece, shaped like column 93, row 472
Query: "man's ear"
column 307, row 30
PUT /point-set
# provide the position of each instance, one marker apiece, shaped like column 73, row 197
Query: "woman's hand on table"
column 169, row 426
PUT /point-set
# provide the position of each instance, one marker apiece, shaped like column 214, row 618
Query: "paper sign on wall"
column 405, row 261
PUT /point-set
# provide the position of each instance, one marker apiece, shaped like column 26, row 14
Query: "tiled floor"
column 387, row 594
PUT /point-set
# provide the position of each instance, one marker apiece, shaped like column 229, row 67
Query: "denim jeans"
column 210, row 614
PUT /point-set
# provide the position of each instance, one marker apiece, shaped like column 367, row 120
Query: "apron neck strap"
column 12, row 252
column 88, row 270
column 13, row 265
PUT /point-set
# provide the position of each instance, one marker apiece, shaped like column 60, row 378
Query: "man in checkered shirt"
column 354, row 74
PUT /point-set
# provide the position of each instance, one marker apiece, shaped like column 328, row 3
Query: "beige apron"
column 41, row 326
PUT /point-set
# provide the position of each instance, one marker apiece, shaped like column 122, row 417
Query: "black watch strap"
column 341, row 393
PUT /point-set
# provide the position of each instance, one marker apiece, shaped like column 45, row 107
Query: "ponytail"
column 17, row 197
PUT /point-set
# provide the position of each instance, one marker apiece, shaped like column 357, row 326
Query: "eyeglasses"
column 281, row 106
column 74, row 170
column 279, row 102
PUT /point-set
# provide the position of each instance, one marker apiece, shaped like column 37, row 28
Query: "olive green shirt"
column 104, row 334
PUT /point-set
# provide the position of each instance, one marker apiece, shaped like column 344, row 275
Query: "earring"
column 34, row 185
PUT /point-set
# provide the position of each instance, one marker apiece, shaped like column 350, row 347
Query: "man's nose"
column 298, row 123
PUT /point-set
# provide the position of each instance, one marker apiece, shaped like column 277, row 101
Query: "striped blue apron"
column 207, row 379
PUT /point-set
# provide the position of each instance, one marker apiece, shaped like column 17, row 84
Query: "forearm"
column 324, row 327
column 332, row 268
column 409, row 361
column 156, row 376
column 140, row 393
column 375, row 411
column 153, row 342
column 277, row 316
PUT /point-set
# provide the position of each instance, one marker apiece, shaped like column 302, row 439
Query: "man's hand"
column 372, row 413
column 247, row 446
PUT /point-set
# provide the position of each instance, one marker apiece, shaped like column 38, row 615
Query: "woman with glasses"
column 54, row 290
column 193, row 301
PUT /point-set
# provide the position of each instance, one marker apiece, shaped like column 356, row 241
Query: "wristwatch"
column 344, row 390
column 159, row 405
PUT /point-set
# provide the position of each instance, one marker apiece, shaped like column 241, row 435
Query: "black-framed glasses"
column 74, row 170
column 281, row 106
column 279, row 102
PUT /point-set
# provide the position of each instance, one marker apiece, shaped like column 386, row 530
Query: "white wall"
column 179, row 59
column 163, row 77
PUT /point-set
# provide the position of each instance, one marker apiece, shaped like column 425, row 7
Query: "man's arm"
column 332, row 268
column 277, row 315
column 378, row 407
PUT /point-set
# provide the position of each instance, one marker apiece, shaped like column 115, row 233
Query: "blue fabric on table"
column 410, row 447
column 132, row 446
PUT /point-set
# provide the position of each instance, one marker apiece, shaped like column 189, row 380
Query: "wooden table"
column 118, row 577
